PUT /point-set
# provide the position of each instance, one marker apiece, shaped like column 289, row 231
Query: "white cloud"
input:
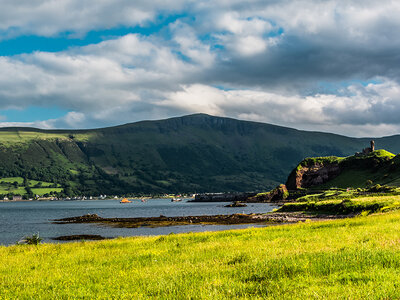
column 49, row 17
column 242, row 35
column 273, row 53
column 37, row 124
column 190, row 46
column 372, row 110
column 115, row 71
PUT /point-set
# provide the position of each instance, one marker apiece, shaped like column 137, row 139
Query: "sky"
column 320, row 65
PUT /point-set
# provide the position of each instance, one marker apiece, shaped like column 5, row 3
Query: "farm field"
column 17, row 186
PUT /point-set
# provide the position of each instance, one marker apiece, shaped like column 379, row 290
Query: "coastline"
column 267, row 219
column 161, row 221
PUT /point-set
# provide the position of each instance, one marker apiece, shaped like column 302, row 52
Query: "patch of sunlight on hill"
column 20, row 136
column 383, row 153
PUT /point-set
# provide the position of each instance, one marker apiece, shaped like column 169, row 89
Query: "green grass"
column 334, row 193
column 7, row 186
column 369, row 204
column 20, row 180
column 32, row 183
column 382, row 153
column 320, row 160
column 15, row 191
column 42, row 191
column 21, row 136
column 343, row 259
column 350, row 178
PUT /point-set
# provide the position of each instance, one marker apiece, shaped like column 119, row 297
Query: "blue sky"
column 315, row 65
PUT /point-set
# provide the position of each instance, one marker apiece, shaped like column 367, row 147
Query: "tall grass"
column 369, row 204
column 342, row 259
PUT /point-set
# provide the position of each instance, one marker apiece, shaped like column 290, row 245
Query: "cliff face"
column 379, row 167
column 312, row 174
column 278, row 194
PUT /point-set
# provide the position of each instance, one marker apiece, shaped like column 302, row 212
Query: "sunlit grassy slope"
column 22, row 135
column 17, row 186
column 358, row 171
column 197, row 153
column 342, row 259
column 344, row 205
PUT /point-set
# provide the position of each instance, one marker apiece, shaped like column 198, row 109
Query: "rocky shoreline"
column 269, row 218
column 77, row 237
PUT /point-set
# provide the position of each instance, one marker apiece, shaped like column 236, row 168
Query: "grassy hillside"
column 379, row 167
column 197, row 153
column 350, row 204
column 354, row 258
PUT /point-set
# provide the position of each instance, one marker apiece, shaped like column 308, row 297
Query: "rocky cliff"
column 379, row 166
column 278, row 194
column 312, row 172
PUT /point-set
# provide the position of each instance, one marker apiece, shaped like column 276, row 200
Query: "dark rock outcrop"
column 77, row 237
column 236, row 204
column 169, row 221
column 222, row 197
column 312, row 174
column 280, row 193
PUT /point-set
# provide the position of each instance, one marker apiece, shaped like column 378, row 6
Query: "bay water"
column 20, row 219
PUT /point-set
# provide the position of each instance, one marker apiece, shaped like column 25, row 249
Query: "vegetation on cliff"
column 357, row 171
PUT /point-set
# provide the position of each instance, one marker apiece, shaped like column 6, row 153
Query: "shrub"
column 35, row 239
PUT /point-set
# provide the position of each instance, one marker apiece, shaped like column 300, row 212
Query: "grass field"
column 370, row 204
column 42, row 191
column 38, row 187
column 342, row 259
column 16, row 191
column 22, row 136
column 20, row 180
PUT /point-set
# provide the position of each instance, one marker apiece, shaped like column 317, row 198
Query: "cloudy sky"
column 316, row 65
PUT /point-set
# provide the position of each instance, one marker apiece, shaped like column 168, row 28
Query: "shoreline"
column 232, row 219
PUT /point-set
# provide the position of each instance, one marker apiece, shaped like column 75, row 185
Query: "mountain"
column 195, row 153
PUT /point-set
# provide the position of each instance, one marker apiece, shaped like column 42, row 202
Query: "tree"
column 29, row 192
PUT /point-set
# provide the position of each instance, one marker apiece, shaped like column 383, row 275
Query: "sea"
column 25, row 218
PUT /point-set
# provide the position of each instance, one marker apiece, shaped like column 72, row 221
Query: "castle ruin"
column 367, row 150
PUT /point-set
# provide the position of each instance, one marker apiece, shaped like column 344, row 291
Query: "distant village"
column 83, row 198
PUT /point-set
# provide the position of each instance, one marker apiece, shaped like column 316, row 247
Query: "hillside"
column 196, row 153
column 356, row 171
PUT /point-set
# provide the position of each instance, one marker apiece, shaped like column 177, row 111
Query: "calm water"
column 18, row 219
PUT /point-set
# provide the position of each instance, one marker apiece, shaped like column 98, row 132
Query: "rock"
column 279, row 193
column 222, row 197
column 315, row 173
column 236, row 204
column 79, row 237
column 81, row 219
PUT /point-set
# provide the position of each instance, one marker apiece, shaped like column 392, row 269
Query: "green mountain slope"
column 196, row 153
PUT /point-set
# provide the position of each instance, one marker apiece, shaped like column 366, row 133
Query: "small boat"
column 125, row 201
column 143, row 200
column 176, row 199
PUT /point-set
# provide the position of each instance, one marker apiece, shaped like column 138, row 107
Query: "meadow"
column 356, row 258
column 17, row 186
column 349, row 205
